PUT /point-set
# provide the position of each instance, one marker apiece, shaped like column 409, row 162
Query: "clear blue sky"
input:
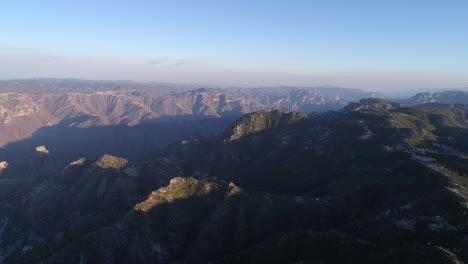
column 371, row 44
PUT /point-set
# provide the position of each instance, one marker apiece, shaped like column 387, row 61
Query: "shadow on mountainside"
column 196, row 222
column 325, row 189
column 67, row 142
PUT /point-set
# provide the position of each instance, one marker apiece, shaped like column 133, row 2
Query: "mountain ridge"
column 377, row 182
column 121, row 117
column 323, row 181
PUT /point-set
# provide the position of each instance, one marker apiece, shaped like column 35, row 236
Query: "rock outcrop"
column 111, row 162
column 42, row 149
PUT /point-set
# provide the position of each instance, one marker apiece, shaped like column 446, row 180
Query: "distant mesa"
column 111, row 162
column 42, row 149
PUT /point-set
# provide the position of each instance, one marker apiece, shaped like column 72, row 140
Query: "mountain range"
column 135, row 119
column 373, row 182
column 445, row 97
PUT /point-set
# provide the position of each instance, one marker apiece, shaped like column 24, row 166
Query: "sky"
column 369, row 44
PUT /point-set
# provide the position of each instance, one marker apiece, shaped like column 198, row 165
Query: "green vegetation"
column 111, row 162
column 179, row 188
column 263, row 120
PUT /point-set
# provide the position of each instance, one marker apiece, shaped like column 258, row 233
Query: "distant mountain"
column 371, row 104
column 133, row 118
column 377, row 182
column 445, row 97
column 131, row 103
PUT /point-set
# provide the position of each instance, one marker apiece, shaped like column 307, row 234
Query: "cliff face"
column 16, row 105
column 20, row 117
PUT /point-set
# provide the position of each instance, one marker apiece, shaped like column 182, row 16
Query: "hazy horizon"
column 383, row 47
